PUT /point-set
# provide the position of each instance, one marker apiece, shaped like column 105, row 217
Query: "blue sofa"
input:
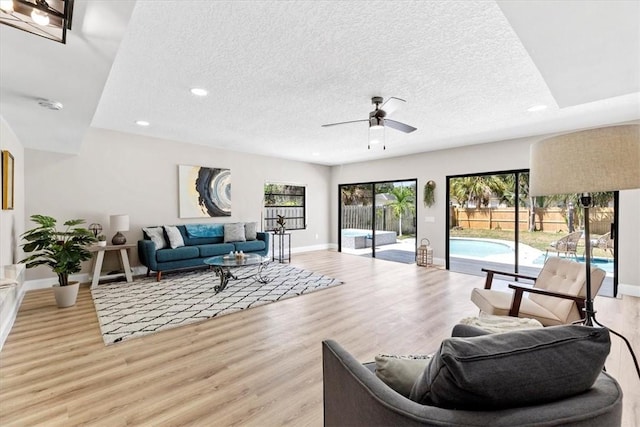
column 194, row 251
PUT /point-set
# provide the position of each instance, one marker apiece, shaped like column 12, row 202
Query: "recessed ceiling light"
column 315, row 153
column 198, row 91
column 142, row 123
column 538, row 107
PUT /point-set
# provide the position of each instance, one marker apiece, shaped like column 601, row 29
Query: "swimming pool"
column 605, row 264
column 503, row 251
column 478, row 248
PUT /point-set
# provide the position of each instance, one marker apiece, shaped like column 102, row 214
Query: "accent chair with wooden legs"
column 556, row 298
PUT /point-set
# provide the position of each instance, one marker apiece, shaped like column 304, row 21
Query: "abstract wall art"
column 204, row 192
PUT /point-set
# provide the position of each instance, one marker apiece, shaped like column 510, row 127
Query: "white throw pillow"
column 234, row 232
column 175, row 238
column 156, row 234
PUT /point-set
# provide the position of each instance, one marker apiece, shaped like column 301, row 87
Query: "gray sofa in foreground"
column 355, row 396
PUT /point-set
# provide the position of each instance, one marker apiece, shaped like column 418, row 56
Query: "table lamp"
column 594, row 160
column 119, row 223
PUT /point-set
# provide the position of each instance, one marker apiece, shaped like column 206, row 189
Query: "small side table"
column 283, row 247
column 124, row 261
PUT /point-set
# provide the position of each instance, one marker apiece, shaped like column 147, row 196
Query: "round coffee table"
column 223, row 264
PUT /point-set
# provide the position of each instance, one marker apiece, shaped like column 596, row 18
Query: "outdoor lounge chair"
column 567, row 245
column 556, row 298
column 604, row 242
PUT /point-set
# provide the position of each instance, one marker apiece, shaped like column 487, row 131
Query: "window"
column 286, row 200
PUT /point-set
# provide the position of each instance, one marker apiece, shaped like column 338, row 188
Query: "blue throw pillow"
column 205, row 230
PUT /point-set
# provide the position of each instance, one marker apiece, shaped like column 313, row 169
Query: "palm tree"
column 404, row 203
column 478, row 189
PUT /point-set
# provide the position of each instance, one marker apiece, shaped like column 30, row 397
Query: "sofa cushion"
column 215, row 250
column 174, row 235
column 156, row 234
column 234, row 232
column 204, row 230
column 400, row 372
column 251, row 246
column 183, row 252
column 251, row 230
column 512, row 369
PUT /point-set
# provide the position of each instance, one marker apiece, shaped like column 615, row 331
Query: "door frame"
column 448, row 204
column 373, row 210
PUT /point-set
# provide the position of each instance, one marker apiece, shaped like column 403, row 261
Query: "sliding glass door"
column 377, row 219
column 494, row 223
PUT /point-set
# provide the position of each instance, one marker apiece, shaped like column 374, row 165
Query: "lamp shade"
column 594, row 160
column 119, row 222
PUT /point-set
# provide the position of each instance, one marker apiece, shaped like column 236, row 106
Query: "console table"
column 99, row 258
column 283, row 247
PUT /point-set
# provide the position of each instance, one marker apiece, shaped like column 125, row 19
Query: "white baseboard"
column 322, row 247
column 10, row 319
column 632, row 290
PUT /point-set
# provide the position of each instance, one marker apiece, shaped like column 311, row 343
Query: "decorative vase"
column 66, row 295
column 119, row 239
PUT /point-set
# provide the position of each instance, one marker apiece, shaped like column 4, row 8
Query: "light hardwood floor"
column 260, row 367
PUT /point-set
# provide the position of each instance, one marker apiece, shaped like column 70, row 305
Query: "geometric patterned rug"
column 130, row 310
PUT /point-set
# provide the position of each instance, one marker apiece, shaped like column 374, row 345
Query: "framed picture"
column 204, row 192
column 7, row 180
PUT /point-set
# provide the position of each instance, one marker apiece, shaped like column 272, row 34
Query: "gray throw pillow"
column 251, row 231
column 174, row 235
column 156, row 234
column 512, row 369
column 400, row 372
column 234, row 232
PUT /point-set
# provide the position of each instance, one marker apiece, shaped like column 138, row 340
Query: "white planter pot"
column 66, row 295
column 102, row 243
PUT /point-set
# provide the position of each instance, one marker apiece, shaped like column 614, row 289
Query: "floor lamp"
column 584, row 162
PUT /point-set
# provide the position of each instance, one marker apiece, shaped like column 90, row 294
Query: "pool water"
column 605, row 264
column 477, row 248
column 351, row 232
column 484, row 248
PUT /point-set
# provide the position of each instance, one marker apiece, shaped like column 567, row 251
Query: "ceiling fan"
column 378, row 117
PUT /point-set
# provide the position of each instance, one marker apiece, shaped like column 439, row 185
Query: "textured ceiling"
column 276, row 71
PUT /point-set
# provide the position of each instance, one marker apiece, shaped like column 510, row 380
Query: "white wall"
column 124, row 173
column 12, row 221
column 497, row 156
column 11, row 227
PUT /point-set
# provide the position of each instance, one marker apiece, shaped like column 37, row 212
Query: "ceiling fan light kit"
column 378, row 118
column 45, row 18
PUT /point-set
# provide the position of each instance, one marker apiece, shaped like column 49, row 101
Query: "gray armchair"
column 354, row 396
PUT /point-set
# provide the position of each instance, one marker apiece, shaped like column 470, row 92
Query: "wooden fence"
column 360, row 217
column 547, row 219
column 294, row 217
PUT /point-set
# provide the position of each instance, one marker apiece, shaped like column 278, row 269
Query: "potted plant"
column 102, row 240
column 281, row 223
column 62, row 250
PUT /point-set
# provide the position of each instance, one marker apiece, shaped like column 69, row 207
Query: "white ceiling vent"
column 51, row 105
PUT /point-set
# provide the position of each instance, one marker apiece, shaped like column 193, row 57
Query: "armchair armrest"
column 520, row 290
column 491, row 273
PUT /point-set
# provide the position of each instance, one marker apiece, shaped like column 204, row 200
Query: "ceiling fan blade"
column 399, row 126
column 344, row 123
column 392, row 104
